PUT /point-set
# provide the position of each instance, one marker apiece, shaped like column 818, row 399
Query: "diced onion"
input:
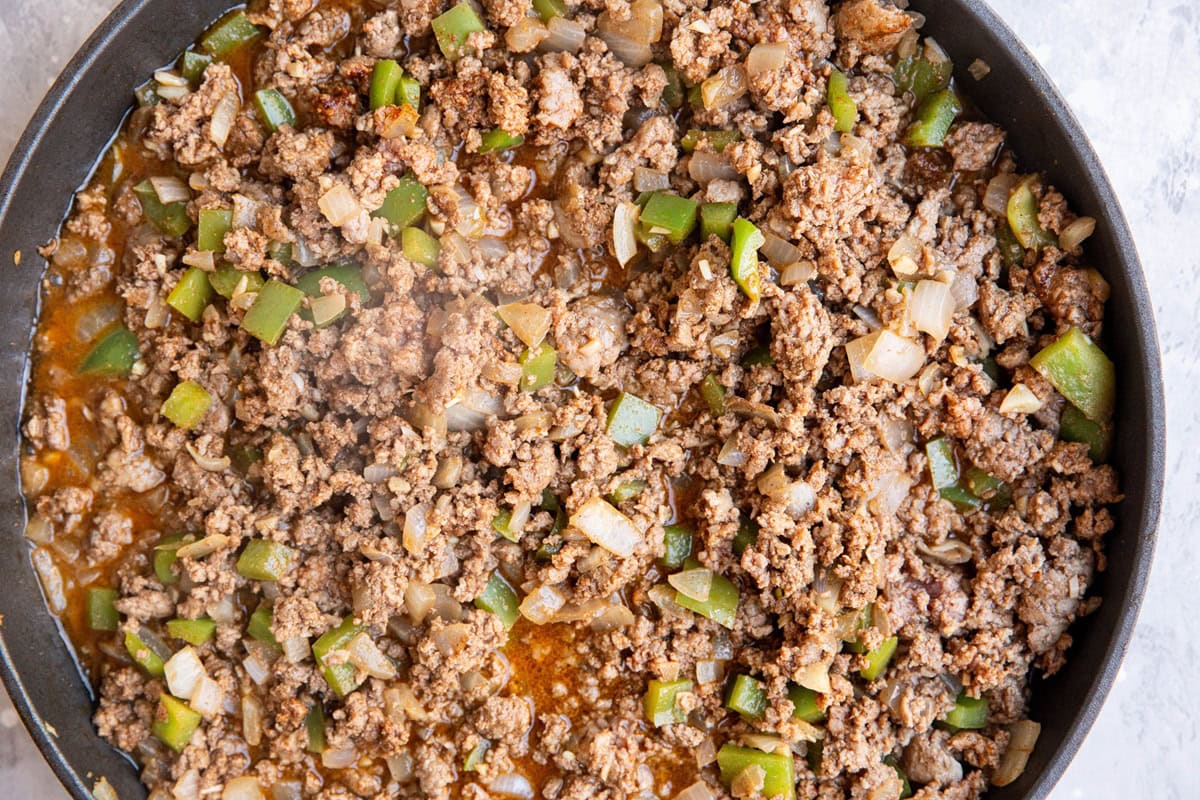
column 52, row 580
column 644, row 25
column 473, row 410
column 471, row 222
column 416, row 524
column 766, row 57
column 697, row 791
column 186, row 788
column 885, row 355
column 564, row 34
column 291, row 789
column 339, row 758
column 628, row 52
column 207, row 463
column 964, row 290
column 529, row 321
column 1023, row 738
column 366, row 655
column 1020, row 400
column 223, row 611
column 207, row 698
column 649, row 180
column 256, row 668
column 392, row 121
column 92, row 322
column 1075, row 233
column 728, row 85
column 905, row 256
column 183, row 672
column 418, row 600
column 542, row 604
column 512, row 784
column 815, row 676
column 780, row 252
column 705, row 167
column 295, row 649
column 995, row 199
column 204, row 547
column 731, row 455
column 327, row 308
column 223, row 118
column 663, row 596
column 931, row 308
column 979, row 69
column 339, row 205
column 751, row 409
column 607, row 527
column 889, row 491
column 797, row 273
column 244, row 788
column 706, row 753
column 170, row 189
column 624, row 240
column 401, row 767
column 765, row 742
column 612, row 617
column 951, row 551
column 205, row 260
column 709, row 671
column 525, row 35
column 695, row 584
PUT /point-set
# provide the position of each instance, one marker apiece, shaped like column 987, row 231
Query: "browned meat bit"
column 871, row 26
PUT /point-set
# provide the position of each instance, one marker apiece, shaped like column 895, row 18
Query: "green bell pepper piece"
column 659, row 702
column 171, row 219
column 408, row 93
column 879, row 658
column 147, row 652
column 673, row 92
column 147, row 94
column 1081, row 372
column 714, row 394
column 452, row 28
column 746, row 536
column 404, row 205
column 631, row 420
column 187, row 405
column 747, row 697
column 193, row 631
column 101, row 612
column 669, row 214
column 192, row 294
column 943, row 469
column 274, row 109
column 804, row 704
column 230, row 33
column 627, row 491
column 385, row 80
column 165, row 555
column 538, row 367
column 743, row 264
column 500, row 598
column 1022, row 214
column 418, row 246
column 496, row 140
column 348, row 275
column 476, row 756
column 265, row 560
column 758, row 356
column 677, row 545
column 933, row 120
column 210, row 231
column 115, row 354
column 192, row 66
column 342, row 678
column 314, row 727
column 502, row 524
column 174, row 722
column 258, row 627
column 969, row 713
column 716, row 219
column 841, row 104
column 718, row 140
column 778, row 769
column 274, row 306
column 1076, row 427
column 905, row 787
column 226, row 279
column 921, row 76
column 1010, row 249
column 549, row 9
column 721, row 605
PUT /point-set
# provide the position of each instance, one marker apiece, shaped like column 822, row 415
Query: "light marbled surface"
column 1128, row 68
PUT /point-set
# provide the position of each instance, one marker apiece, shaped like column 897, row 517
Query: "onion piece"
column 780, row 252
column 471, row 221
column 512, row 784
column 697, row 791
column 1075, row 233
column 889, row 491
column 183, row 672
column 931, row 308
column 295, row 649
column 244, row 788
column 529, row 321
column 797, row 273
column 326, row 308
column 748, row 408
column 170, row 189
column 629, row 52
column 223, row 118
column 563, row 34
column 644, row 25
column 542, row 604
column 401, row 767
column 256, row 668
column 339, row 758
column 727, row 86
column 815, row 676
column 416, row 526
column 709, row 671
column 207, row 463
column 624, row 239
column 951, row 551
column 885, row 355
column 366, row 655
column 995, row 199
column 186, row 788
column 525, row 35
column 766, row 57
column 906, row 255
column 339, row 205
column 607, row 527
column 1023, row 738
column 694, row 584
column 731, row 455
column 52, row 580
column 205, row 260
column 207, row 699
column 1020, row 400
column 705, row 167
column 649, row 180
column 472, row 411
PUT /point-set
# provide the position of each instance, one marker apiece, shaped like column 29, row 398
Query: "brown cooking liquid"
column 543, row 658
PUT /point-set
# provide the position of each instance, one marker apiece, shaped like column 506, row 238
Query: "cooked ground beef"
column 534, row 489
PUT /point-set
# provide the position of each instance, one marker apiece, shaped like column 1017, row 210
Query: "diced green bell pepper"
column 496, row 140
column 921, row 76
column 403, row 205
column 420, row 247
column 147, row 94
column 961, row 498
column 627, row 491
column 502, row 524
column 265, row 560
column 147, row 652
column 385, row 80
column 258, row 627
column 1022, row 214
column 758, row 356
column 943, row 469
column 879, row 658
column 348, row 275
column 171, row 219
column 229, row 34
column 101, row 612
column 187, row 405
column 114, row 355
column 743, row 263
column 192, row 66
column 631, row 420
column 165, row 554
column 995, row 492
column 210, row 231
column 714, row 394
column 969, row 713
column 905, row 787
column 779, row 779
column 174, row 722
column 804, row 704
column 841, row 104
column 721, row 605
column 670, row 214
column 747, row 697
column 342, row 678
column 273, row 307
column 660, row 702
column 452, row 29
column 1081, row 372
column 314, row 727
column 193, row 631
column 677, row 546
column 408, row 93
column 226, row 279
column 274, row 109
column 673, row 92
column 1076, row 427
column 716, row 219
column 862, row 621
column 549, row 9
column 538, row 367
column 192, row 294
column 500, row 598
column 933, row 120
column 718, row 140
column 747, row 535
column 476, row 756
column 1010, row 249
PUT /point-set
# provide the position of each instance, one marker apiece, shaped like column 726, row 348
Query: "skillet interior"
column 85, row 107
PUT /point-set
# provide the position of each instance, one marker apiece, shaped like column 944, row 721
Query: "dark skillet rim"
column 1145, row 517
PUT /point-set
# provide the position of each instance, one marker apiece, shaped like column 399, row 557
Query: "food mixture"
column 681, row 399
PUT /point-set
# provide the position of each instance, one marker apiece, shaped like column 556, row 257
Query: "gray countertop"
column 1128, row 69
